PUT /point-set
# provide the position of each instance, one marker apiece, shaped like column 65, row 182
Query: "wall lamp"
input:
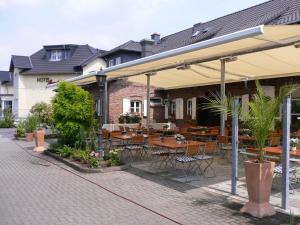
column 297, row 45
column 183, row 67
column 229, row 58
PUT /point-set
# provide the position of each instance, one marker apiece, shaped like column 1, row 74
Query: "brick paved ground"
column 35, row 191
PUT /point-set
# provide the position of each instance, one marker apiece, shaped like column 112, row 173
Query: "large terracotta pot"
column 29, row 137
column 259, row 178
column 39, row 136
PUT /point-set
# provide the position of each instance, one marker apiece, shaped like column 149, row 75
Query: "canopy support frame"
column 286, row 152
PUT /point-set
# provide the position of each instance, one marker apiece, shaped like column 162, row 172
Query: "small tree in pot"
column 260, row 120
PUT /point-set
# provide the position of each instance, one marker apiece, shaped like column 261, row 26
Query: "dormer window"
column 56, row 55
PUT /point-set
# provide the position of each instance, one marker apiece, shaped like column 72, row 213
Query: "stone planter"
column 29, row 137
column 39, row 136
column 259, row 178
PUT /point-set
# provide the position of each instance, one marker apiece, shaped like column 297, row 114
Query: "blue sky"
column 27, row 25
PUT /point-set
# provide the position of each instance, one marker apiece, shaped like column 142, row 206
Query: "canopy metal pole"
column 286, row 152
column 105, row 102
column 222, row 116
column 148, row 101
column 234, row 144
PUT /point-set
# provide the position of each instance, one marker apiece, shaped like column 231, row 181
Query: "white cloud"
column 5, row 4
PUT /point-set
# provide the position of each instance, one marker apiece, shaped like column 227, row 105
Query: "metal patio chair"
column 137, row 145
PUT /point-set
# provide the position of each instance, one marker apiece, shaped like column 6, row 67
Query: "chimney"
column 155, row 37
column 147, row 45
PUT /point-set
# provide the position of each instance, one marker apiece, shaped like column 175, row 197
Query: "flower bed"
column 85, row 161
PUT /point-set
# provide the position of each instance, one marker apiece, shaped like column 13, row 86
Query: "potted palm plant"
column 260, row 120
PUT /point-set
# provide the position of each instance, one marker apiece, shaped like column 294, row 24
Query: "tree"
column 73, row 109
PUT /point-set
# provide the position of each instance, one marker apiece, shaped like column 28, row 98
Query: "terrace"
column 256, row 53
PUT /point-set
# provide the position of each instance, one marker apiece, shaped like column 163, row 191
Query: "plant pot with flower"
column 293, row 143
column 30, row 127
column 259, row 118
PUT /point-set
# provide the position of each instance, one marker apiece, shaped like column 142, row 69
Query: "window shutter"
column 245, row 101
column 145, row 107
column 179, row 108
column 166, row 111
column 194, row 108
column 126, row 105
column 269, row 91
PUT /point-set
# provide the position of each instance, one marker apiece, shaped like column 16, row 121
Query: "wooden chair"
column 122, row 129
column 127, row 129
column 136, row 144
column 105, row 137
column 274, row 140
column 211, row 147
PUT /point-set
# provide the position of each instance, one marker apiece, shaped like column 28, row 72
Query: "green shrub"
column 43, row 112
column 65, row 151
column 73, row 109
column 8, row 120
column 112, row 158
column 55, row 147
column 21, row 131
column 31, row 124
column 93, row 162
column 80, row 155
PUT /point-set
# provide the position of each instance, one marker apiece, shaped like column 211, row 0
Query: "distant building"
column 31, row 74
column 6, row 91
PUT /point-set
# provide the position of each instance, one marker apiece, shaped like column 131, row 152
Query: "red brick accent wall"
column 120, row 89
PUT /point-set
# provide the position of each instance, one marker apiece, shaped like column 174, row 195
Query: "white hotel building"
column 31, row 74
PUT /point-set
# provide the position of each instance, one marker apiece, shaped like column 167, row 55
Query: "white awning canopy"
column 262, row 52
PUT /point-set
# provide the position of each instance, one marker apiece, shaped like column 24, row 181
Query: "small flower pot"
column 29, row 137
column 39, row 141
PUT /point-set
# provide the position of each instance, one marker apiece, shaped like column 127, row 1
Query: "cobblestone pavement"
column 34, row 191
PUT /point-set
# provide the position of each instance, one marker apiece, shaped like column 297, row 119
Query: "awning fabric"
column 262, row 52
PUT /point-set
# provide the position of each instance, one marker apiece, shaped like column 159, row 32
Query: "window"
column 189, row 107
column 118, row 60
column 135, row 106
column 7, row 105
column 173, row 107
column 56, row 55
column 295, row 120
column 110, row 62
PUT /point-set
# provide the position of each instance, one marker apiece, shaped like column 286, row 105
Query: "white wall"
column 29, row 92
column 95, row 65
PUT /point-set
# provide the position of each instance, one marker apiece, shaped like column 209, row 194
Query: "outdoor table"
column 127, row 137
column 204, row 135
column 174, row 147
column 278, row 151
column 165, row 131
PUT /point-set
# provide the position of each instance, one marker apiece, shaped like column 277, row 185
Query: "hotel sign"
column 43, row 79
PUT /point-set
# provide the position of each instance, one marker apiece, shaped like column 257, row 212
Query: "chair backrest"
column 127, row 129
column 274, row 141
column 105, row 133
column 138, row 139
column 222, row 139
column 193, row 150
column 121, row 128
column 210, row 147
column 214, row 131
column 151, row 131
